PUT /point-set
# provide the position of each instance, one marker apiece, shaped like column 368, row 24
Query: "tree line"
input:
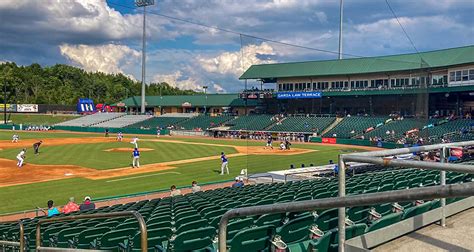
column 64, row 85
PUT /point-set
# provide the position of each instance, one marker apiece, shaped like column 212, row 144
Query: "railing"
column 20, row 244
column 434, row 192
column 136, row 215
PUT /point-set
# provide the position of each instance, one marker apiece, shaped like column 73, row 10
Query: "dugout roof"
column 366, row 65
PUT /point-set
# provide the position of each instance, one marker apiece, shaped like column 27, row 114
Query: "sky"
column 99, row 35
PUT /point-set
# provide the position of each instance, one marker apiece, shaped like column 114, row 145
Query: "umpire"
column 36, row 146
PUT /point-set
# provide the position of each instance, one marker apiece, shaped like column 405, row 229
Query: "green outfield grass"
column 22, row 197
column 39, row 119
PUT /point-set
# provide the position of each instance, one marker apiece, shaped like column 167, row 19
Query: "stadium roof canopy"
column 366, row 65
column 197, row 100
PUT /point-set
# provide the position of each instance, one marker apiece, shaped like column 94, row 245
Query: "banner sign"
column 299, row 95
column 10, row 107
column 329, row 140
column 27, row 108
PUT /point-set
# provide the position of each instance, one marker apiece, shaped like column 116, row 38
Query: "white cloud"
column 236, row 62
column 177, row 79
column 218, row 88
column 322, row 17
column 103, row 58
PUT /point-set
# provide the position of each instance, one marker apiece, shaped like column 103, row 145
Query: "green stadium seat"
column 384, row 221
column 193, row 240
column 252, row 239
column 85, row 237
column 317, row 245
column 416, row 210
column 295, row 230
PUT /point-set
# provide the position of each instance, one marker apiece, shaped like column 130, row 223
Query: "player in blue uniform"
column 136, row 158
column 269, row 142
column 225, row 164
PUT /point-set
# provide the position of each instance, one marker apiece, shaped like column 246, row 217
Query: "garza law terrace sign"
column 299, row 95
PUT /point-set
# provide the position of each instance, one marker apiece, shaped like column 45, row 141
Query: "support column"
column 443, row 182
column 342, row 210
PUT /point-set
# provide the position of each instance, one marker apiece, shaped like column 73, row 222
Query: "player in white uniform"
column 20, row 157
column 119, row 136
column 15, row 138
column 135, row 142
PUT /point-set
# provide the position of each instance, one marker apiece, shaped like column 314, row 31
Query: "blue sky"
column 100, row 35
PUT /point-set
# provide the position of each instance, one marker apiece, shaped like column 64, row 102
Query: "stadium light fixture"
column 144, row 4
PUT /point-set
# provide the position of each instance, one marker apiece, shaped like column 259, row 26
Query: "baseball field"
column 76, row 164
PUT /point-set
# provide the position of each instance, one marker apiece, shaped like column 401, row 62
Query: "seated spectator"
column 51, row 209
column 195, row 187
column 71, row 206
column 174, row 191
column 238, row 182
column 87, row 204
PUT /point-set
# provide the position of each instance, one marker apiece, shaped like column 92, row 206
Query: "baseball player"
column 20, row 157
column 269, row 142
column 135, row 142
column 225, row 164
column 158, row 132
column 36, row 146
column 15, row 138
column 119, row 136
column 136, row 158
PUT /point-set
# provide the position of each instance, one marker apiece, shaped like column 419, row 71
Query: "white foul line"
column 143, row 176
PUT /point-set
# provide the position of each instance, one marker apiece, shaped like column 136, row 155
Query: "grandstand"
column 158, row 122
column 123, row 121
column 90, row 120
column 190, row 222
column 302, row 124
column 352, row 126
column 251, row 122
column 204, row 122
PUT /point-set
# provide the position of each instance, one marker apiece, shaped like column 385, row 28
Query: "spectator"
column 51, row 209
column 71, row 206
column 238, row 183
column 195, row 187
column 87, row 204
column 174, row 191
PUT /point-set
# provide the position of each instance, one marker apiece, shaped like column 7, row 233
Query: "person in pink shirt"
column 71, row 206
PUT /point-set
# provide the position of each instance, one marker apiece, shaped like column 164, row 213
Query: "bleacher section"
column 91, row 120
column 123, row 121
column 449, row 127
column 354, row 123
column 190, row 222
column 251, row 122
column 303, row 124
column 204, row 122
column 160, row 121
column 398, row 126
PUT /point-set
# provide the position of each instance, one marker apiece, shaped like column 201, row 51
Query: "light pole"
column 205, row 103
column 144, row 4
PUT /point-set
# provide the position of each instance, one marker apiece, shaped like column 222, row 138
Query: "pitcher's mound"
column 128, row 149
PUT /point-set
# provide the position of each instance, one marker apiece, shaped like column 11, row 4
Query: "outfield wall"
column 358, row 142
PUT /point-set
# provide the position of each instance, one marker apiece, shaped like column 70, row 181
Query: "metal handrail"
column 21, row 243
column 432, row 192
column 135, row 214
column 260, row 176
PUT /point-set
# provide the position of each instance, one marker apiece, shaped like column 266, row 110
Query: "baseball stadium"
column 350, row 154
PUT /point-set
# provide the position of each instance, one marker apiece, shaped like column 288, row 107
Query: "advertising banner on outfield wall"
column 10, row 107
column 329, row 140
column 299, row 95
column 27, row 108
